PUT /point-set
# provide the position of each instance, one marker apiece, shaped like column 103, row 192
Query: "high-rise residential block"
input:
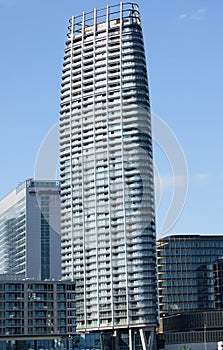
column 107, row 190
column 30, row 240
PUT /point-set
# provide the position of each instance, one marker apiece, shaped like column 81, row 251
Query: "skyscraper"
column 30, row 230
column 107, row 191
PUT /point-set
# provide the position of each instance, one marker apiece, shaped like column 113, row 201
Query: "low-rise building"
column 32, row 310
column 191, row 330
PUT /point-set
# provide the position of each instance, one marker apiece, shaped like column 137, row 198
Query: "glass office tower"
column 30, row 240
column 107, row 190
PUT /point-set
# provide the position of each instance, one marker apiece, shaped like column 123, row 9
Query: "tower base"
column 121, row 339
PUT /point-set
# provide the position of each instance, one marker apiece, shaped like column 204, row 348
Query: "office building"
column 189, row 273
column 30, row 241
column 190, row 291
column 35, row 313
column 218, row 283
column 107, row 190
column 192, row 330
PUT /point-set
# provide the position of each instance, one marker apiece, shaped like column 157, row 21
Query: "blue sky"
column 184, row 50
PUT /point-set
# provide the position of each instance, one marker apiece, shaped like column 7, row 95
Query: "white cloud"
column 182, row 16
column 200, row 179
column 166, row 182
column 198, row 15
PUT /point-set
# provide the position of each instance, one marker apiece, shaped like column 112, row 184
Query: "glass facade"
column 198, row 329
column 186, row 272
column 107, row 191
column 45, row 237
column 218, row 282
column 30, row 230
column 13, row 220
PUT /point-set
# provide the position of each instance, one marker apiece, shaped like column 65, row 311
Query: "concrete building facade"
column 107, row 190
column 31, row 311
